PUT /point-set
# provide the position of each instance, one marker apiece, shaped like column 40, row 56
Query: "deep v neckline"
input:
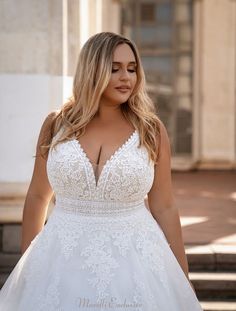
column 108, row 161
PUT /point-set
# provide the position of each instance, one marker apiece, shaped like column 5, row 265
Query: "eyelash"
column 130, row 70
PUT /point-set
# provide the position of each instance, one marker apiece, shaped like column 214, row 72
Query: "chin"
column 123, row 99
column 117, row 100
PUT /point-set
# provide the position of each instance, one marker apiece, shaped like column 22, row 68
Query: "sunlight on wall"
column 67, row 88
column 186, row 221
column 233, row 196
column 230, row 239
column 84, row 22
column 99, row 15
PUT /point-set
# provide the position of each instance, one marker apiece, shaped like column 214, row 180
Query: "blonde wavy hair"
column 92, row 76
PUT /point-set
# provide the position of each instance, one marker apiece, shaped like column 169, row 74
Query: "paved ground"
column 207, row 206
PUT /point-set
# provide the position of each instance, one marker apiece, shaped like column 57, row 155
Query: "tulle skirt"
column 85, row 262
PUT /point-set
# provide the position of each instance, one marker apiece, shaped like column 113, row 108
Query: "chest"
column 125, row 175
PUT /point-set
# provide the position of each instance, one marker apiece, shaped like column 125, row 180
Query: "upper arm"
column 39, row 185
column 160, row 195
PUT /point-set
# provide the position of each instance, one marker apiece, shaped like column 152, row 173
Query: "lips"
column 123, row 88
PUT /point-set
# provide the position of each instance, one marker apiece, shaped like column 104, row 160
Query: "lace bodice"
column 123, row 183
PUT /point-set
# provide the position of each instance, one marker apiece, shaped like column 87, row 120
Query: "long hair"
column 92, row 76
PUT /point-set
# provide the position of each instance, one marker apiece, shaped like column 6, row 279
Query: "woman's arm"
column 39, row 193
column 161, row 202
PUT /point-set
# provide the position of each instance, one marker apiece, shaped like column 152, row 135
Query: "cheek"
column 113, row 81
column 109, row 87
column 134, row 80
column 111, row 84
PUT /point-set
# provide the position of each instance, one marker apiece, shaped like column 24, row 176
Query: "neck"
column 108, row 113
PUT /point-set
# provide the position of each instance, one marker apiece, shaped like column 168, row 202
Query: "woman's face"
column 123, row 76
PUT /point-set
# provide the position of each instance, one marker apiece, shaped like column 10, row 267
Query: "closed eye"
column 129, row 70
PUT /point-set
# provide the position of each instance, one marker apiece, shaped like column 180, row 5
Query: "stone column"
column 215, row 80
column 97, row 16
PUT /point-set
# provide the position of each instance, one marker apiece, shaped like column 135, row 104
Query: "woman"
column 101, row 154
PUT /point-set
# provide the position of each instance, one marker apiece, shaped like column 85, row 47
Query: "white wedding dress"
column 101, row 248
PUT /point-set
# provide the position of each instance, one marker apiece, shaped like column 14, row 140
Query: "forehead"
column 123, row 54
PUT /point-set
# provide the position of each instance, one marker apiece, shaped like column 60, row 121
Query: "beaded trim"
column 96, row 208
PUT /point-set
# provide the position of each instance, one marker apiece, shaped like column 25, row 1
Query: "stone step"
column 8, row 262
column 11, row 210
column 212, row 257
column 214, row 285
column 3, row 278
column 218, row 305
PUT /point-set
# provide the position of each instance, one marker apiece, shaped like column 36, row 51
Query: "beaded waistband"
column 97, row 208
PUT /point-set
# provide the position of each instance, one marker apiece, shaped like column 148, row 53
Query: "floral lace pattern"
column 104, row 238
column 126, row 177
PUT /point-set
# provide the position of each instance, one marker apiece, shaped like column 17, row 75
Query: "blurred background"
column 188, row 50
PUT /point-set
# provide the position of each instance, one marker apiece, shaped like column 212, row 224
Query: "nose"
column 124, row 75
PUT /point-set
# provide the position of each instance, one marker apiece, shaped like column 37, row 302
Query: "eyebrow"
column 119, row 63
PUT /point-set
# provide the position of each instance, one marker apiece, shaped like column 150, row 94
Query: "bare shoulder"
column 47, row 123
column 46, row 133
column 164, row 141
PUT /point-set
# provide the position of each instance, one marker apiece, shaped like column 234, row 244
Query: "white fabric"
column 101, row 249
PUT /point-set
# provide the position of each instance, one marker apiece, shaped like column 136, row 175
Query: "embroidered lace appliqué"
column 126, row 177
